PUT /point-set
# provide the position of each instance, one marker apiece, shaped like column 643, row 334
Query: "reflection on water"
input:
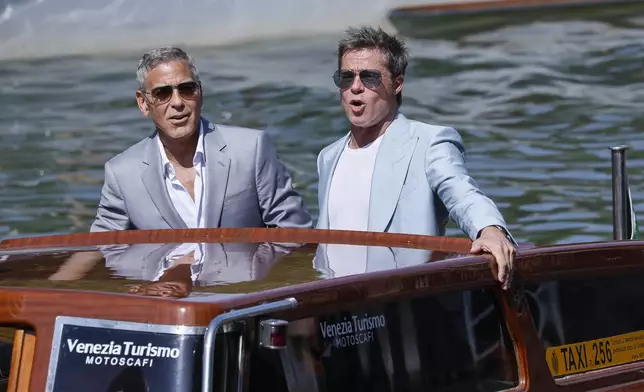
column 538, row 106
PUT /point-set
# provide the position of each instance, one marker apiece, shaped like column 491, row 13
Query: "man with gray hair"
column 190, row 173
column 391, row 174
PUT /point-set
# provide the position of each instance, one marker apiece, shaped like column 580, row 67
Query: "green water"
column 538, row 106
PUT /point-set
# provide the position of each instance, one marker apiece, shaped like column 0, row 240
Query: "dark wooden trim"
column 579, row 260
column 354, row 289
column 513, row 324
column 534, row 374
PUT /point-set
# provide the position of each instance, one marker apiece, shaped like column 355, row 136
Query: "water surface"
column 537, row 104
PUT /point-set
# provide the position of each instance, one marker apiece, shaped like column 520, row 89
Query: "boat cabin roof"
column 227, row 263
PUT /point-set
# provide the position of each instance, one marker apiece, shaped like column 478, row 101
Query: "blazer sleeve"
column 280, row 204
column 112, row 212
column 447, row 174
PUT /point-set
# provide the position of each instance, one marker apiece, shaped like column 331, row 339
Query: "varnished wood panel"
column 254, row 235
column 16, row 354
column 22, row 357
column 26, row 361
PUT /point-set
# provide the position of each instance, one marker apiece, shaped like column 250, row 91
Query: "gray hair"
column 392, row 48
column 163, row 55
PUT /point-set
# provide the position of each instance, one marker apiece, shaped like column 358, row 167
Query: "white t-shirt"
column 349, row 205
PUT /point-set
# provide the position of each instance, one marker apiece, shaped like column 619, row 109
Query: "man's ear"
column 142, row 102
column 398, row 84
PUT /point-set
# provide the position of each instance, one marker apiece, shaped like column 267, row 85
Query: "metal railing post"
column 620, row 192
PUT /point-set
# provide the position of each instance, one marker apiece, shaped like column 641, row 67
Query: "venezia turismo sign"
column 124, row 354
column 116, row 356
column 352, row 331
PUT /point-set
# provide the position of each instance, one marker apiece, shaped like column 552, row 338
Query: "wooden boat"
column 571, row 321
column 451, row 19
column 107, row 312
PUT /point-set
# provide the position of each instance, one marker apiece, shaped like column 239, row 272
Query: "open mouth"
column 356, row 103
column 178, row 117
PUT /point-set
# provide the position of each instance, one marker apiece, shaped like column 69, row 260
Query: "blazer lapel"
column 154, row 182
column 390, row 171
column 326, row 174
column 218, row 168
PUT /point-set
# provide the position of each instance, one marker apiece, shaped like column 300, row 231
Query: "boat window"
column 449, row 342
column 227, row 373
column 589, row 324
column 8, row 337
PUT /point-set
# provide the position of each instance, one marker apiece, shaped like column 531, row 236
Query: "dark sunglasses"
column 162, row 94
column 370, row 78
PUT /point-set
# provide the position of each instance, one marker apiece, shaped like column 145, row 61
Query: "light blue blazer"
column 420, row 180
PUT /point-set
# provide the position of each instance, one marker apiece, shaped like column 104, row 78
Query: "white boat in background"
column 433, row 19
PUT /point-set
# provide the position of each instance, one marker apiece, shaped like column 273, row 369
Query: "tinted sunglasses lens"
column 161, row 94
column 370, row 79
column 188, row 90
column 343, row 79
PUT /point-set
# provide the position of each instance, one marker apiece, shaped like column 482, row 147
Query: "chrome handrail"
column 233, row 315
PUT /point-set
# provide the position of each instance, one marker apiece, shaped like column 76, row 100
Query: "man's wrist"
column 506, row 233
column 502, row 229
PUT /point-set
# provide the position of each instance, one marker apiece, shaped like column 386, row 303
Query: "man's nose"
column 357, row 86
column 176, row 100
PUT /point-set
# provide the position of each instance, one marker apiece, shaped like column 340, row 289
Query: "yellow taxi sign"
column 595, row 354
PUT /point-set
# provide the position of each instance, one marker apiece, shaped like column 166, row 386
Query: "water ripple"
column 537, row 104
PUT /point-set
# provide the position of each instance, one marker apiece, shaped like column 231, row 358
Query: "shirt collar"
column 198, row 159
